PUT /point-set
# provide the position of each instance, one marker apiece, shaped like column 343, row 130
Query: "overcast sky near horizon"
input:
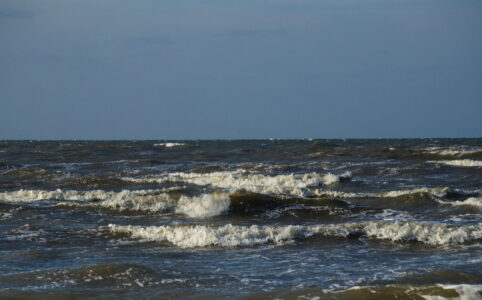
column 186, row 69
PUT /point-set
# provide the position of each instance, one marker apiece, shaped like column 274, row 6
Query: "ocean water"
column 250, row 219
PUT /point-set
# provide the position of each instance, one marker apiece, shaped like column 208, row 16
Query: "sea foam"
column 199, row 206
column 434, row 192
column 192, row 236
column 459, row 162
column 452, row 151
column 74, row 195
column 291, row 184
column 168, row 145
column 472, row 201
column 204, row 206
column 465, row 291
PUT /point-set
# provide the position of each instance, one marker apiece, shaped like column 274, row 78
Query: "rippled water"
column 297, row 219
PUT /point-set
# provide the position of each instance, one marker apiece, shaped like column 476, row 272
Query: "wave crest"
column 457, row 152
column 472, row 201
column 169, row 145
column 459, row 162
column 292, row 184
column 192, row 236
column 204, row 206
column 439, row 192
column 74, row 195
column 387, row 292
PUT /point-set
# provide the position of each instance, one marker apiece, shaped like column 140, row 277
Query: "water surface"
column 255, row 219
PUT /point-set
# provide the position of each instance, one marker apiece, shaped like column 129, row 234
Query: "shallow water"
column 294, row 219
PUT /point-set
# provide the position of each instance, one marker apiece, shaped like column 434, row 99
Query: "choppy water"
column 298, row 219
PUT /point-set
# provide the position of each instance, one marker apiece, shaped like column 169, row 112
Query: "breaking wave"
column 472, row 201
column 388, row 292
column 459, row 162
column 168, row 145
column 192, row 236
column 241, row 201
column 453, row 152
column 74, row 195
column 169, row 200
column 439, row 192
column 292, row 184
column 204, row 206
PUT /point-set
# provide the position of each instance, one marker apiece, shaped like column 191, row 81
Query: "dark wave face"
column 262, row 219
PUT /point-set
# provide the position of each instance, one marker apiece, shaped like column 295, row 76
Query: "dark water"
column 300, row 219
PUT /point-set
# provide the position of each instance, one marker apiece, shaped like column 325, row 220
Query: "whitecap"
column 471, row 201
column 459, row 162
column 452, row 151
column 200, row 206
column 435, row 192
column 169, row 145
column 204, row 206
column 290, row 184
column 74, row 195
column 192, row 236
column 465, row 291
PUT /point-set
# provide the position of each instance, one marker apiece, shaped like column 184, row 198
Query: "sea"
column 241, row 219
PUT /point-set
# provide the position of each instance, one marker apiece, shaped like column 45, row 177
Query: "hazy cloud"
column 16, row 14
column 149, row 40
column 257, row 32
column 233, row 69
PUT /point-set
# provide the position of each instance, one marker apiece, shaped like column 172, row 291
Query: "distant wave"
column 453, row 151
column 292, row 184
column 439, row 192
column 170, row 200
column 460, row 162
column 202, row 206
column 472, row 201
column 192, row 236
column 73, row 195
column 239, row 202
column 169, row 145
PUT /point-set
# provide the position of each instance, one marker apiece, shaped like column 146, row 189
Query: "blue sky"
column 185, row 69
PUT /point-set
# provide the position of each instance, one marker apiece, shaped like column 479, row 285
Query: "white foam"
column 332, row 178
column 465, row 291
column 472, row 201
column 459, row 162
column 338, row 194
column 146, row 200
column 436, row 192
column 204, row 206
column 432, row 234
column 37, row 195
column 169, row 145
column 202, row 235
column 73, row 195
column 291, row 184
column 451, row 151
column 191, row 236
